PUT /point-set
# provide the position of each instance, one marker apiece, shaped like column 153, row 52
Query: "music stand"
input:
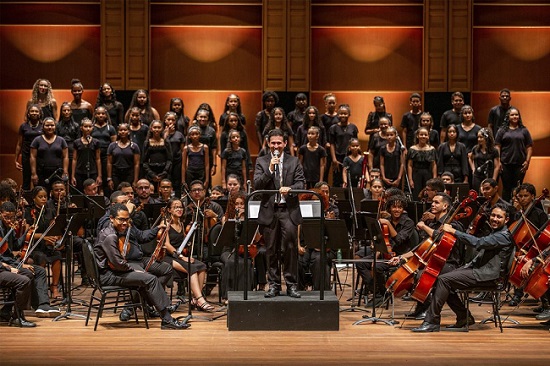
column 459, row 190
column 367, row 205
column 339, row 192
column 415, row 210
column 74, row 223
column 78, row 200
column 377, row 238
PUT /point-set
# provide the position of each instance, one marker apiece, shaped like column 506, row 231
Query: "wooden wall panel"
column 460, row 45
column 435, row 45
column 298, row 45
column 274, row 45
column 137, row 44
column 366, row 59
column 198, row 58
column 175, row 13
column 516, row 58
column 58, row 13
column 112, row 43
column 338, row 14
column 57, row 53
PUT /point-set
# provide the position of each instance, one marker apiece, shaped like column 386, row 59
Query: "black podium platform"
column 282, row 312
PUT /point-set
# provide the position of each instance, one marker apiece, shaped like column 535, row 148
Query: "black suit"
column 278, row 223
column 490, row 264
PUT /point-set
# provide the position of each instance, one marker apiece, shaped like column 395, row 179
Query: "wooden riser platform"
column 283, row 312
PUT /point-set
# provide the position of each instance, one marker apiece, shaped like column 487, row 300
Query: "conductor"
column 279, row 214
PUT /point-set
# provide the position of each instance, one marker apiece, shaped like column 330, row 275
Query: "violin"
column 160, row 250
column 29, row 236
column 4, row 241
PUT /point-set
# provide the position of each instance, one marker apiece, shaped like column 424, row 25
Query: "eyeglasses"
column 195, row 190
column 122, row 219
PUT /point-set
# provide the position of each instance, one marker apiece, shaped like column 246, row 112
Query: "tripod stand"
column 189, row 315
column 375, row 232
column 72, row 225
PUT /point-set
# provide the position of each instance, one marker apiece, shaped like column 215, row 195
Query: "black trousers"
column 280, row 238
column 311, row 260
column 460, row 279
column 21, row 284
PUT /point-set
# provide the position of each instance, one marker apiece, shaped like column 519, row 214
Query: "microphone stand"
column 353, row 241
column 408, row 184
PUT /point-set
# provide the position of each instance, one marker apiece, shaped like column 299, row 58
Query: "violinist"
column 401, row 229
column 524, row 197
column 490, row 263
column 139, row 219
column 116, row 270
column 439, row 208
column 489, row 190
column 376, row 190
column 176, row 235
column 235, row 211
column 32, row 276
column 45, row 252
column 208, row 215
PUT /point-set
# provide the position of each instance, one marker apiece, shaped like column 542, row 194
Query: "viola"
column 159, row 251
column 480, row 219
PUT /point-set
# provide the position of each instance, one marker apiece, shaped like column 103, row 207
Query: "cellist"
column 401, row 229
column 441, row 203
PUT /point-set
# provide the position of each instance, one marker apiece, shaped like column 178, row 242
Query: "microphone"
column 49, row 179
column 276, row 154
column 480, row 168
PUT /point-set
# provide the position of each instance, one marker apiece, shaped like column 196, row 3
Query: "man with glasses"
column 117, row 270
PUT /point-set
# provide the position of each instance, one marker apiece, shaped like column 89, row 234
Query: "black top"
column 311, row 162
column 468, row 138
column 49, row 155
column 339, row 137
column 455, row 161
column 176, row 140
column 29, row 133
column 513, row 144
column 103, row 135
column 410, row 122
column 70, row 131
column 122, row 158
column 86, row 156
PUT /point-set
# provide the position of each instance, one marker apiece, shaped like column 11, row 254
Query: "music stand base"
column 376, row 320
column 187, row 318
column 68, row 315
column 353, row 309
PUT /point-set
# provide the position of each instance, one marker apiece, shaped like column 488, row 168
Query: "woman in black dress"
column 123, row 157
column 180, row 263
column 42, row 95
column 49, row 153
column 157, row 155
column 516, row 148
column 80, row 107
column 86, row 157
column 107, row 98
column 28, row 131
column 452, row 156
column 69, row 129
column 421, row 162
column 105, row 133
column 485, row 159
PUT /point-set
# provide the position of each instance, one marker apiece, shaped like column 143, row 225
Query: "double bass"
column 443, row 247
column 537, row 284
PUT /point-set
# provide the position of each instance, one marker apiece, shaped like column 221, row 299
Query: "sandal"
column 205, row 306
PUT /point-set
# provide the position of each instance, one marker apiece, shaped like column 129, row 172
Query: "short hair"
column 196, row 181
column 345, row 106
column 396, row 200
column 115, row 195
column 217, row 188
column 235, row 176
column 166, row 180
column 315, row 128
column 457, row 94
column 300, row 96
column 446, row 198
column 505, row 90
column 436, row 184
column 7, row 207
column 268, row 94
column 493, row 183
column 320, row 184
column 116, row 208
column 415, row 95
column 448, row 174
column 88, row 182
column 123, row 185
column 529, row 188
column 375, row 170
column 276, row 132
column 503, row 206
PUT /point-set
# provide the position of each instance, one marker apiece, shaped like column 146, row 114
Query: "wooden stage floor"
column 69, row 342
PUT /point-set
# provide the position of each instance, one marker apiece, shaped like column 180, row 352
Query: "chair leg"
column 100, row 310
column 466, row 299
column 90, row 307
column 142, row 301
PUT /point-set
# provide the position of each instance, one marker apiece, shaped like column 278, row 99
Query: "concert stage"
column 282, row 312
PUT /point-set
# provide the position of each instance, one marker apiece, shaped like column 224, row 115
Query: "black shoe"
column 545, row 323
column 539, row 309
column 5, row 316
column 22, row 323
column 407, row 297
column 174, row 307
column 173, row 324
column 515, row 301
column 292, row 291
column 126, row 314
column 272, row 292
column 544, row 315
column 426, row 328
column 461, row 323
column 152, row 312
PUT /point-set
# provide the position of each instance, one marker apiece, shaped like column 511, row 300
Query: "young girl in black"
column 86, row 162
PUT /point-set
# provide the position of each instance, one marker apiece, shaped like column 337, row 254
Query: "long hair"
column 506, row 125
column 49, row 93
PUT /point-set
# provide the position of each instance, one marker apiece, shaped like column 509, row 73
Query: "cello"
column 438, row 258
column 523, row 230
column 537, row 283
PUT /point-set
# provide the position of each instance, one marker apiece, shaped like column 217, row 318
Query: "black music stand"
column 375, row 232
column 415, row 209
column 153, row 210
column 73, row 224
column 459, row 190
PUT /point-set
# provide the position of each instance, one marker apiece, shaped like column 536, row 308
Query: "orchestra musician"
column 116, row 270
column 176, row 234
column 280, row 214
column 401, row 237
column 440, row 207
column 309, row 259
column 45, row 252
column 489, row 264
column 30, row 281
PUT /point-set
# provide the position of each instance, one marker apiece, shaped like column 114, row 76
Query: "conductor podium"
column 314, row 311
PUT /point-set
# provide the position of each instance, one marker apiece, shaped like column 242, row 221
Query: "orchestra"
column 150, row 232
